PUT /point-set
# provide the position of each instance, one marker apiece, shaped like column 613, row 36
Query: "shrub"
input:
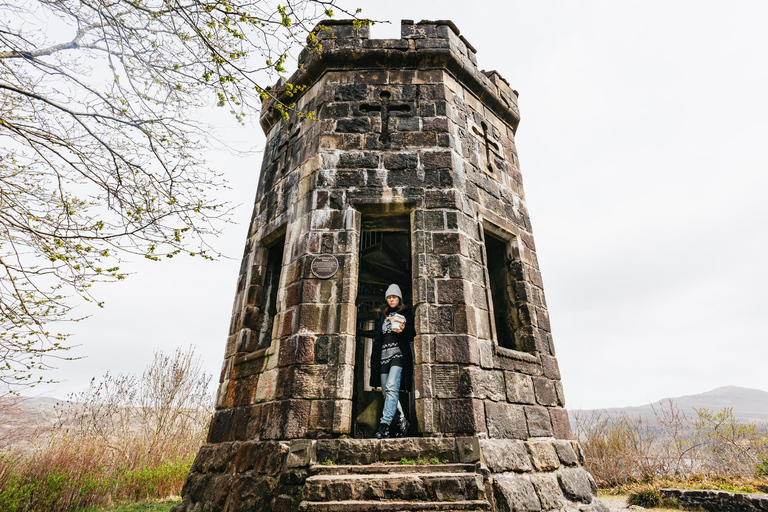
column 650, row 497
column 124, row 439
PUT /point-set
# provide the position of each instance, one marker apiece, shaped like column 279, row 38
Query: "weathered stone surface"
column 505, row 420
column 561, row 424
column 543, row 455
column 461, row 416
column 348, row 451
column 468, row 449
column 519, row 388
column 546, row 486
column 515, row 493
column 545, row 391
column 502, row 455
column 299, row 453
column 717, row 501
column 595, row 506
column 539, row 423
column 577, row 484
column 394, row 486
column 566, row 453
column 479, row 383
column 415, row 448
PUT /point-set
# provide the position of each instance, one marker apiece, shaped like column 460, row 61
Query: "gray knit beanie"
column 394, row 290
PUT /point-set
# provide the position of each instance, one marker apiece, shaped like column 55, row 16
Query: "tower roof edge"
column 346, row 44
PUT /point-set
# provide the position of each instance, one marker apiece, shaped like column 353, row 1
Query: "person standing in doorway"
column 391, row 360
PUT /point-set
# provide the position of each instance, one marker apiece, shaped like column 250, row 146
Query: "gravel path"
column 618, row 503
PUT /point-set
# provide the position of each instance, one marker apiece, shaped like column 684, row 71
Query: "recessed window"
column 503, row 307
column 268, row 308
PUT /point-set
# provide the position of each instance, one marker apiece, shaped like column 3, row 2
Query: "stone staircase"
column 393, row 487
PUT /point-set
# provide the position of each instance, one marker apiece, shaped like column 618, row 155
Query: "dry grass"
column 125, row 439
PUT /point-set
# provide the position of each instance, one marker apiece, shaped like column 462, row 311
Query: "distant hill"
column 749, row 405
column 22, row 417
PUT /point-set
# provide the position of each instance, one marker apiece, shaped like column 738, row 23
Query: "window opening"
column 503, row 307
column 268, row 309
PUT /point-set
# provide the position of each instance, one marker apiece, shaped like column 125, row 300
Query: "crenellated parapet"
column 424, row 45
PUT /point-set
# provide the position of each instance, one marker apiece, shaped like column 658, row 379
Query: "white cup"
column 398, row 321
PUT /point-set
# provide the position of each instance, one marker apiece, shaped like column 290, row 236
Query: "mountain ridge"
column 748, row 405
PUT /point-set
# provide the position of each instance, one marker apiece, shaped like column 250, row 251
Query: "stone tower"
column 409, row 175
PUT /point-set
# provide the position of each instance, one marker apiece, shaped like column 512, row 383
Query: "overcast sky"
column 643, row 151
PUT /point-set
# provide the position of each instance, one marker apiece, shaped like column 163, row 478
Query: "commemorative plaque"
column 325, row 266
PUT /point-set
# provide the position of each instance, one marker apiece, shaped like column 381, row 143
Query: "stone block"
column 418, row 447
column 543, row 455
column 560, row 393
column 347, row 451
column 464, row 415
column 299, row 453
column 424, row 349
column 353, row 125
column 566, row 453
column 561, row 424
column 550, row 495
column 515, row 493
column 217, row 491
column 456, row 349
column 468, row 449
column 545, row 391
column 342, row 416
column 480, row 383
column 551, row 369
column 266, row 388
column 577, row 484
column 485, row 348
column 217, row 458
column 321, row 417
column 452, row 291
column 296, row 349
column 450, row 243
column 426, row 411
column 539, row 422
column 285, row 419
column 398, row 161
column 443, row 199
column 519, row 388
column 502, row 455
column 436, row 159
column 505, row 421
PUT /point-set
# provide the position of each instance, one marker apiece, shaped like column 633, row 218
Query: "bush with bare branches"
column 620, row 449
column 124, row 438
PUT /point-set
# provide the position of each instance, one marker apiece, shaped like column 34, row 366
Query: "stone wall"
column 718, row 501
column 267, row 475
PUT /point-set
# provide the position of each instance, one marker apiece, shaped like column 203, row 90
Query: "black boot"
column 383, row 432
column 402, row 427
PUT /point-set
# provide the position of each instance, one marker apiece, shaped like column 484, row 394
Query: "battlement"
column 344, row 45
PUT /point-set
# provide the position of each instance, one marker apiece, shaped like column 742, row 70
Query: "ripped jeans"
column 390, row 386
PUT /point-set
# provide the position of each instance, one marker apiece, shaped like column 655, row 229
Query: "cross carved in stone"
column 491, row 148
column 385, row 107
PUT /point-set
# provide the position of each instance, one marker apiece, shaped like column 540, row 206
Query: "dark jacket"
column 404, row 340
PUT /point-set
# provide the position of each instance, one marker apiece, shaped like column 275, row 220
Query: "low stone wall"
column 718, row 501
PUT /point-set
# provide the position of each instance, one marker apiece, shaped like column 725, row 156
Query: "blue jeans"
column 390, row 386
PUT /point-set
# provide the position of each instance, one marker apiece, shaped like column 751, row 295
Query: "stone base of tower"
column 446, row 474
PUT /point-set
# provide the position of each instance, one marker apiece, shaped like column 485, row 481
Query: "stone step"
column 372, row 506
column 432, row 486
column 351, row 469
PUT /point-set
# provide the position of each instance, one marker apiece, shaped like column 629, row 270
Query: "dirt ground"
column 619, row 504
